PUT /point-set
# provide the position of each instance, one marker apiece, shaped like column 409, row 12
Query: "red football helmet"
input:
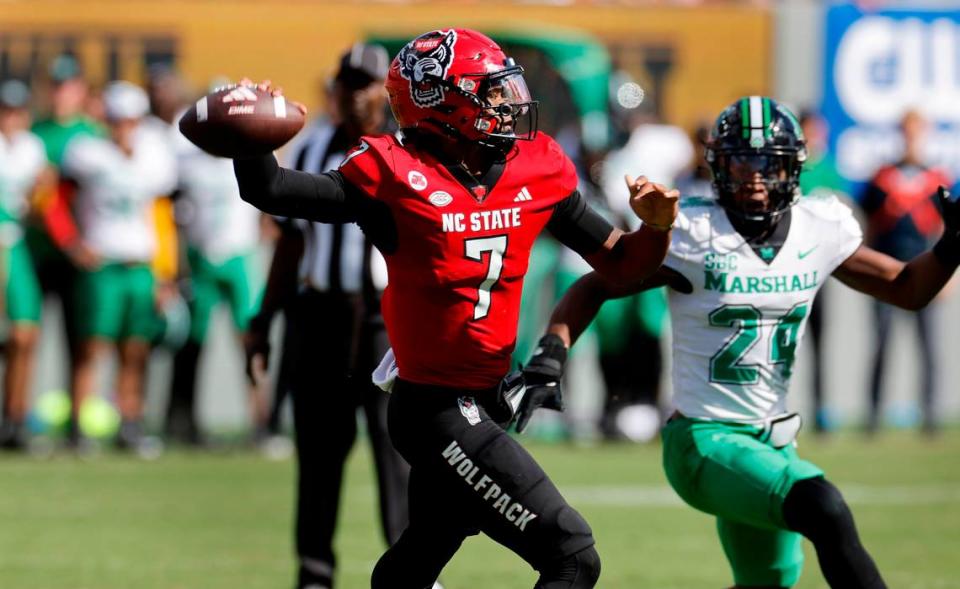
column 459, row 83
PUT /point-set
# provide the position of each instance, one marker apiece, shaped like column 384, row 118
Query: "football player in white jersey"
column 743, row 270
column 118, row 181
column 23, row 171
column 221, row 233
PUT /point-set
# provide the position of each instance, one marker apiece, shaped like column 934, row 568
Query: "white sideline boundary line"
column 664, row 496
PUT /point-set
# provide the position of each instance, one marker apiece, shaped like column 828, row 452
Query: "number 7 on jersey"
column 474, row 249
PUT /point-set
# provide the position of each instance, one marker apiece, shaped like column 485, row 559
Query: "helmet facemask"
column 756, row 151
column 507, row 111
column 738, row 172
column 503, row 110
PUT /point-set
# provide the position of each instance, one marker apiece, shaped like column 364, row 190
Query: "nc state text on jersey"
column 481, row 220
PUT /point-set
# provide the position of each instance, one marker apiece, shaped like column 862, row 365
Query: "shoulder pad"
column 825, row 205
column 369, row 164
column 545, row 149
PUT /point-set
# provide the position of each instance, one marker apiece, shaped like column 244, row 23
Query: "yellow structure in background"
column 715, row 53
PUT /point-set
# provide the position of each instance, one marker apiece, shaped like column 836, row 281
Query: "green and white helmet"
column 757, row 135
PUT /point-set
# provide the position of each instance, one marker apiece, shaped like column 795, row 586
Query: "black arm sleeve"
column 289, row 193
column 326, row 198
column 576, row 225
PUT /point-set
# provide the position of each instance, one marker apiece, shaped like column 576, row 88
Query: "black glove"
column 256, row 342
column 510, row 394
column 947, row 249
column 542, row 376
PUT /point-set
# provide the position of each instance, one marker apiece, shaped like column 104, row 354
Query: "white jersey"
column 114, row 202
column 659, row 152
column 216, row 221
column 736, row 334
column 22, row 158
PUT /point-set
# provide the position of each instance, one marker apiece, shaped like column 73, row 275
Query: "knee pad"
column 577, row 571
column 814, row 507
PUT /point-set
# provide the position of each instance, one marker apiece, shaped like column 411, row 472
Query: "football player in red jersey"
column 455, row 204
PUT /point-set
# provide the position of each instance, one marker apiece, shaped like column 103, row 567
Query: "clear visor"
column 508, row 89
column 757, row 167
column 509, row 109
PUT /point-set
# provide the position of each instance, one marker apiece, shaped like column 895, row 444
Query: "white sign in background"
column 886, row 66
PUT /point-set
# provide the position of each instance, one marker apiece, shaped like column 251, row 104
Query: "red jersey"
column 453, row 298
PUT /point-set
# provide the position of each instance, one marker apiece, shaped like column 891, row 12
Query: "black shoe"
column 12, row 436
column 129, row 436
column 81, row 445
column 930, row 428
column 307, row 579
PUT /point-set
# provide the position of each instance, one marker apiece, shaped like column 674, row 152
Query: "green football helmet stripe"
column 745, row 117
column 767, row 130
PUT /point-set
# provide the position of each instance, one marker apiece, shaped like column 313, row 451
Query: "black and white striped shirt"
column 336, row 256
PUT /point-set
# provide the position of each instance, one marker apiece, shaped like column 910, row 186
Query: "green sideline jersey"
column 56, row 135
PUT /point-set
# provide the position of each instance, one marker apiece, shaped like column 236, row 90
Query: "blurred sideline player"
column 819, row 176
column 52, row 237
column 23, row 174
column 743, row 270
column 221, row 233
column 455, row 205
column 335, row 329
column 118, row 180
column 902, row 221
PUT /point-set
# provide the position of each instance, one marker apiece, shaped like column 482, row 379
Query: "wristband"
column 660, row 228
column 550, row 352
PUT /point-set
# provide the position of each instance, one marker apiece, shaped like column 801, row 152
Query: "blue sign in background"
column 878, row 65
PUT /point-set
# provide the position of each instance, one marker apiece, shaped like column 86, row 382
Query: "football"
column 241, row 121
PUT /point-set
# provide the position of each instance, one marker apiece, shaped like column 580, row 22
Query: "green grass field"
column 223, row 521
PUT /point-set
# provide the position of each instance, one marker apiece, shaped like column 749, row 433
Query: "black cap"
column 363, row 64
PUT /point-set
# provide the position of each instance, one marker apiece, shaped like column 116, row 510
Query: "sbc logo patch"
column 469, row 409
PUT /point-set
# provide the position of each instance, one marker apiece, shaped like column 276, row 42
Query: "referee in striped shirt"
column 329, row 278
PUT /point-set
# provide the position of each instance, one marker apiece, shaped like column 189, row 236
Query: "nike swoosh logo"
column 802, row 255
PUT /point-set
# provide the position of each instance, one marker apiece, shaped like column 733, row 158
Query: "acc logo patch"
column 469, row 409
column 440, row 198
column 417, row 180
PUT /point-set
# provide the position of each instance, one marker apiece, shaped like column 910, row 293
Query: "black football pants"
column 469, row 476
column 328, row 335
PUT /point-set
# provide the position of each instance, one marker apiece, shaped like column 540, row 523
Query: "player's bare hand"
column 82, row 256
column 655, row 204
column 256, row 345
column 267, row 86
column 163, row 292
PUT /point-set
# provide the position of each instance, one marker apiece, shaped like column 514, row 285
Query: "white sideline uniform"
column 114, row 203
column 216, row 221
column 735, row 336
column 22, row 158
